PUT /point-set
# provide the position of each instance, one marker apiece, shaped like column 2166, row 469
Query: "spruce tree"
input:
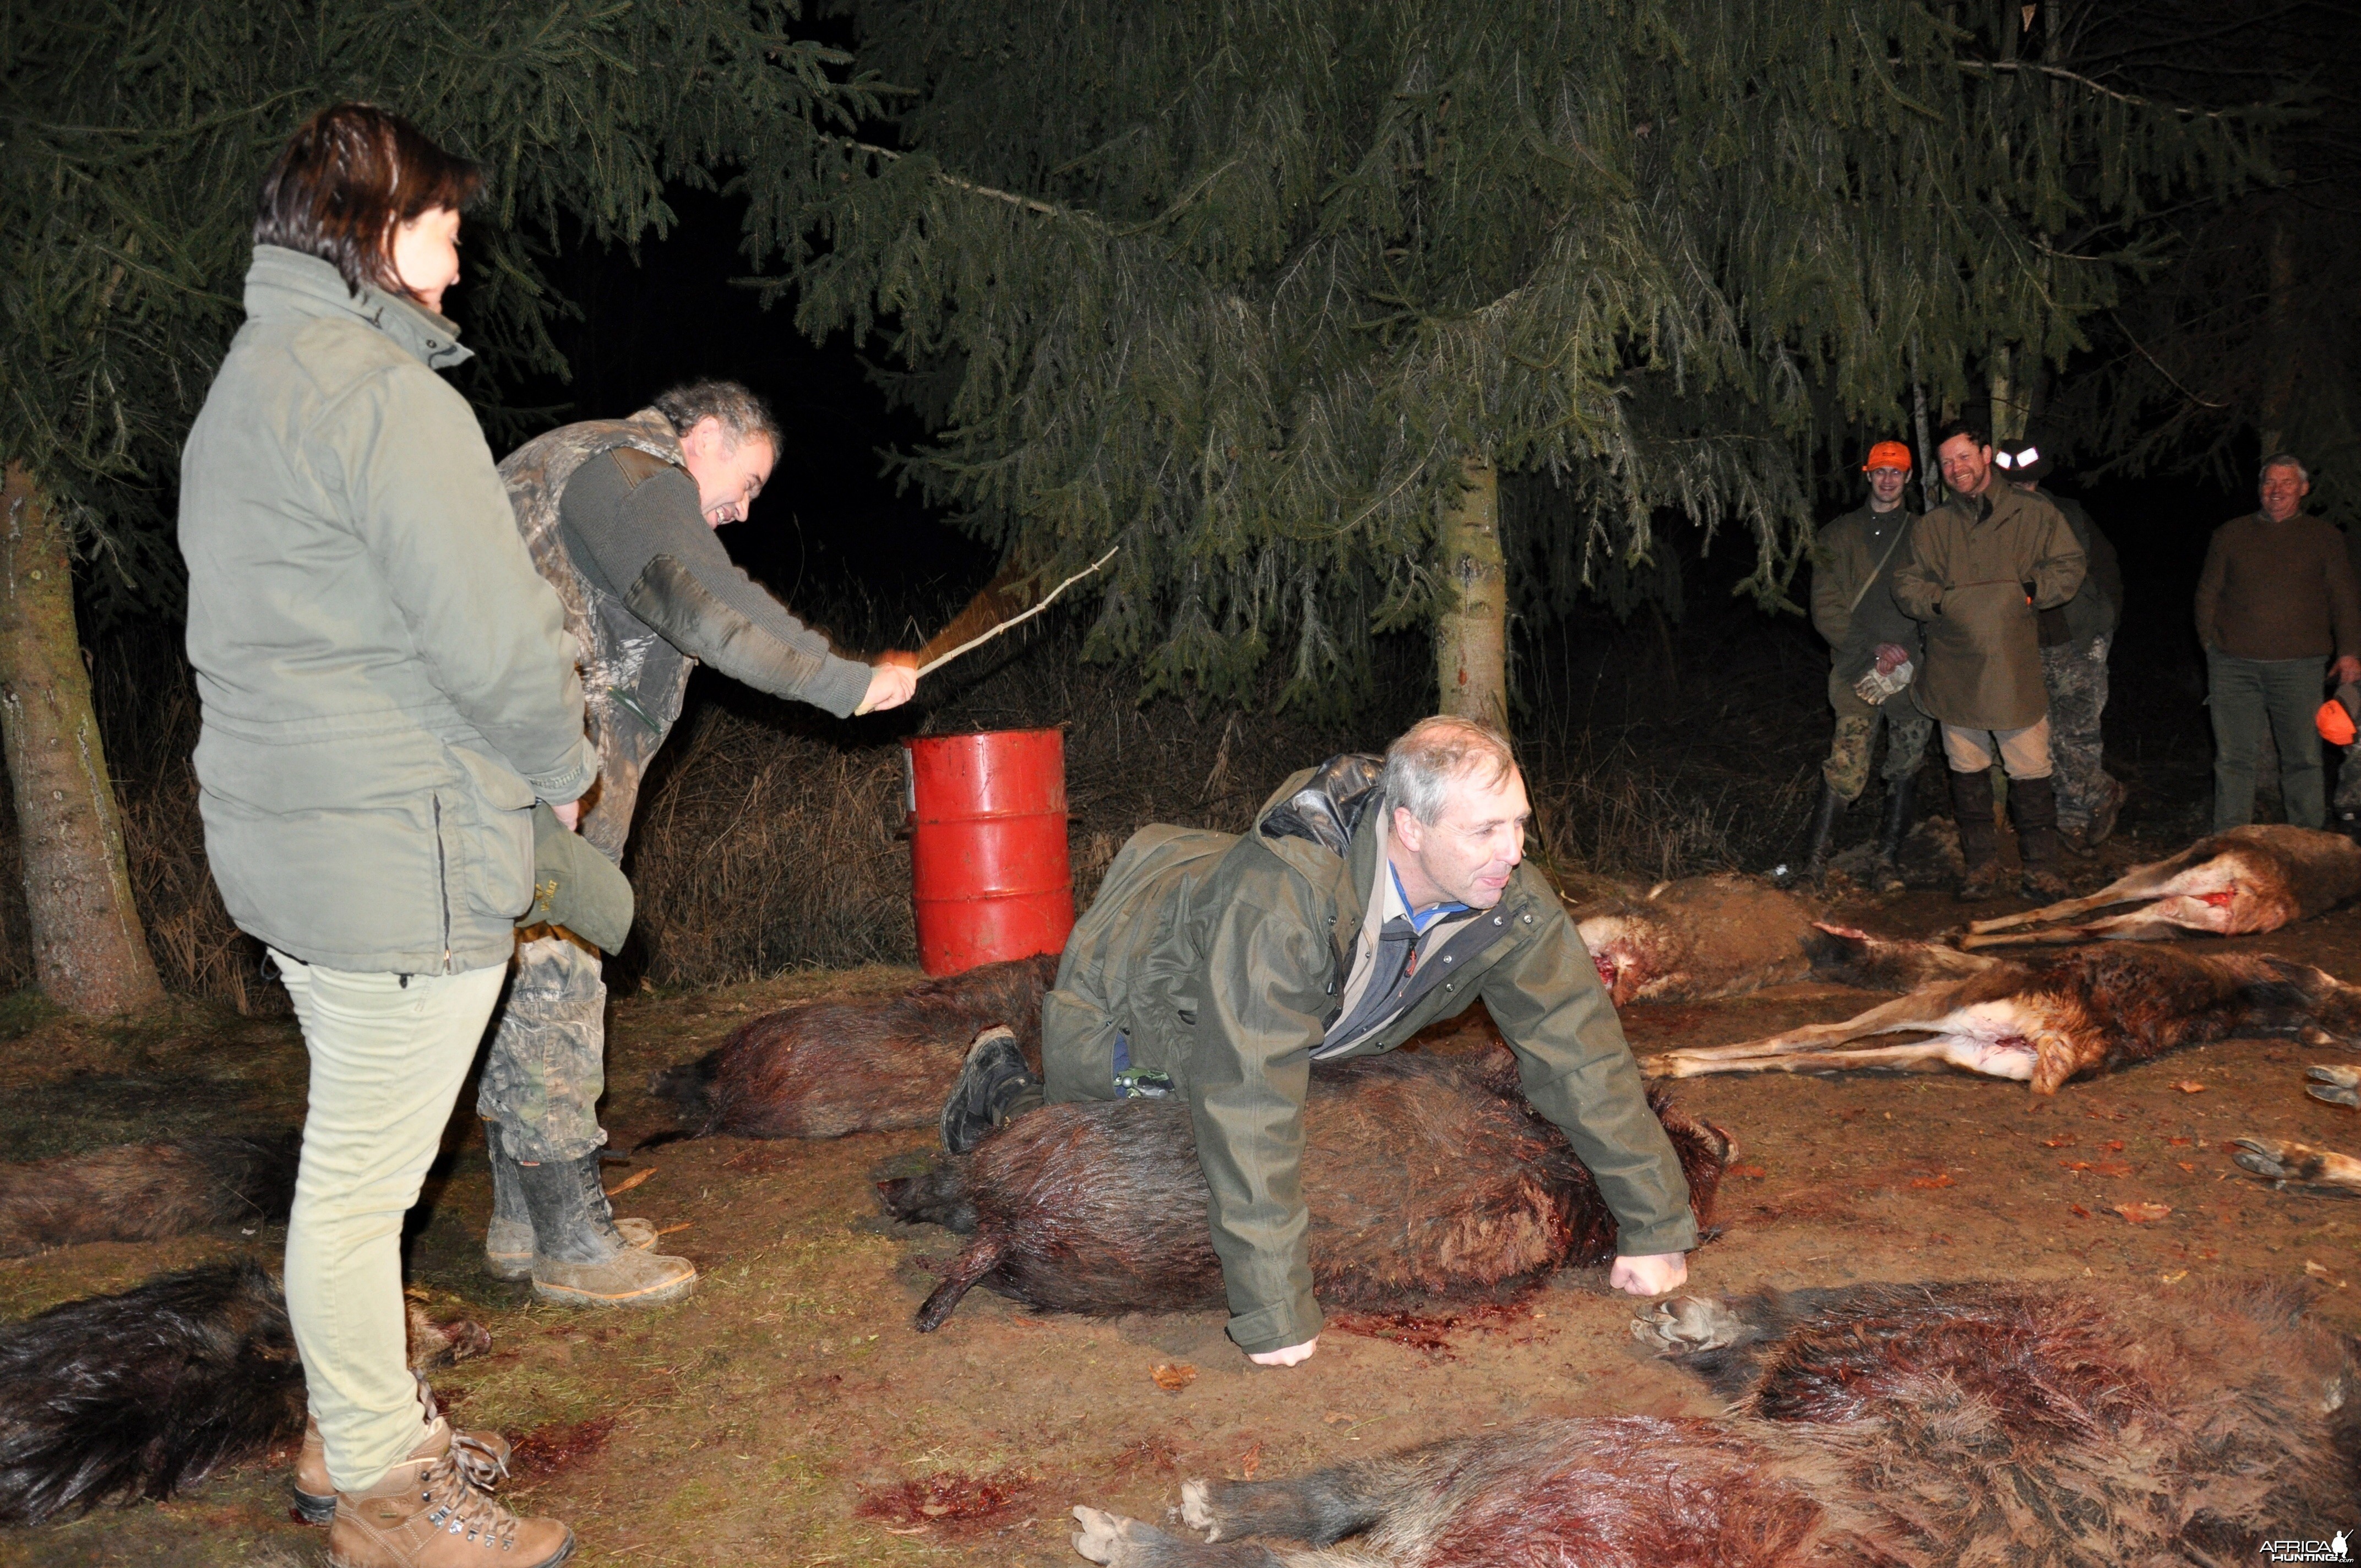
column 132, row 138
column 1274, row 296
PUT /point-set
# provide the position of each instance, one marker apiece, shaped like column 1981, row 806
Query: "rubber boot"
column 2035, row 810
column 992, row 1083
column 315, row 1494
column 579, row 1259
column 507, row 1240
column 1972, row 804
column 435, row 1510
column 1891, row 831
column 1823, row 831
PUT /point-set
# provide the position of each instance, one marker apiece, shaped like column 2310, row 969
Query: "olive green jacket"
column 386, row 683
column 1222, row 958
column 1854, row 621
column 1979, row 567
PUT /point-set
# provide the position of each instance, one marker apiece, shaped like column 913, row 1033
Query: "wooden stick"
column 933, row 664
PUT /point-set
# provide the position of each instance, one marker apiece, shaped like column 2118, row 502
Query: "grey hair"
column 1422, row 764
column 2283, row 460
column 742, row 413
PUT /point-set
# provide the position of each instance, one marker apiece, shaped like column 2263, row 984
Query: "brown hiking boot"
column 432, row 1511
column 579, row 1258
column 315, row 1494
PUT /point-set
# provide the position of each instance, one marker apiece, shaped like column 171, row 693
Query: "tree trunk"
column 1471, row 637
column 1930, row 475
column 2007, row 395
column 2279, row 386
column 89, row 954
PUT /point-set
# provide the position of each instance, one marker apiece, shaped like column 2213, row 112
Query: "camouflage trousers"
column 1906, row 733
column 548, row 1061
column 2076, row 676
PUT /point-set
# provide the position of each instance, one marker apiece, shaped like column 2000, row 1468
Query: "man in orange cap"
column 1874, row 650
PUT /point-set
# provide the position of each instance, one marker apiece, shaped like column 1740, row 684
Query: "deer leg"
column 2139, row 926
column 2303, row 1163
column 1988, row 1057
column 1925, row 1008
column 2334, row 1085
column 2139, row 882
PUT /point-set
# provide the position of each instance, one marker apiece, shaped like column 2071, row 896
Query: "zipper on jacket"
column 442, row 882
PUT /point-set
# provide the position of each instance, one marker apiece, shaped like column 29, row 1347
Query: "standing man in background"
column 1853, row 562
column 2075, row 637
column 2276, row 598
column 1980, row 566
column 620, row 516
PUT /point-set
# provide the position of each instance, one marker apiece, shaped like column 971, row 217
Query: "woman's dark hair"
column 342, row 183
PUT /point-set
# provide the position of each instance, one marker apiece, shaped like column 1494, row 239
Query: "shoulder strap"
column 1879, row 570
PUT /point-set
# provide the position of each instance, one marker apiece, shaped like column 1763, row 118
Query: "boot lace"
column 457, row 1503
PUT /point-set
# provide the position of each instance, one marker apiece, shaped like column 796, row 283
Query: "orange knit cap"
column 2335, row 725
column 1888, row 455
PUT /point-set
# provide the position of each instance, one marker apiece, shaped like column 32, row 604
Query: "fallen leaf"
column 1754, row 1170
column 1943, row 1180
column 2185, row 1165
column 2189, row 1086
column 630, row 1181
column 2065, row 1143
column 2175, row 1277
column 2140, row 1213
column 2076, row 1208
column 2114, row 1146
column 1250, row 1462
column 2181, row 1142
column 1335, row 1418
column 1173, row 1377
column 670, row 1229
column 2314, row 1269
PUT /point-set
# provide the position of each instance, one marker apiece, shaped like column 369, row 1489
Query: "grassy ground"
column 788, row 1414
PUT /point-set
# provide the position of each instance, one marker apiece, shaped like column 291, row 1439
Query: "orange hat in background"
column 1888, row 455
column 2335, row 725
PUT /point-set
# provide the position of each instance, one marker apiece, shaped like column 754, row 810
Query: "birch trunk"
column 1471, row 637
column 89, row 953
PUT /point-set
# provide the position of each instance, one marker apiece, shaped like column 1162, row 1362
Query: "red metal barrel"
column 988, row 867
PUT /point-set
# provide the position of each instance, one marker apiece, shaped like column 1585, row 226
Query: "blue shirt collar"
column 1420, row 919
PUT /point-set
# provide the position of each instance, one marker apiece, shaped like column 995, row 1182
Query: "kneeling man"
column 1367, row 901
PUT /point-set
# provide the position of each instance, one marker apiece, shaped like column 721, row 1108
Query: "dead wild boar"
column 826, row 1067
column 1428, row 1177
column 2049, row 1018
column 137, row 1394
column 1873, row 1426
column 144, row 1192
column 2232, row 883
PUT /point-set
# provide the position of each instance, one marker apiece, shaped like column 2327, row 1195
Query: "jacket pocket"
column 488, row 837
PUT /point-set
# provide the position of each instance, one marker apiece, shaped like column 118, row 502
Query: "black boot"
column 579, row 1257
column 994, row 1084
column 508, row 1239
column 2035, row 810
column 1823, row 831
column 1895, row 829
column 1972, row 804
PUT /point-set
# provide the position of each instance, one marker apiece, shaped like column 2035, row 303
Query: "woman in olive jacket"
column 387, row 688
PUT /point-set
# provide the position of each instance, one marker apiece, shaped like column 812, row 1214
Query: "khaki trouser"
column 2024, row 753
column 389, row 1053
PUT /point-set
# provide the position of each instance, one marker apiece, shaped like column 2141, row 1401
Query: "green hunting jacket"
column 1979, row 567
column 1853, row 614
column 1221, row 958
column 386, row 683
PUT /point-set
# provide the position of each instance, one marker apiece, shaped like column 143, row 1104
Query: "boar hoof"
column 1114, row 1540
column 1685, row 1325
column 2266, row 1160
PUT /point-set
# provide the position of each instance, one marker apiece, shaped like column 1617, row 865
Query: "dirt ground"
column 789, row 1414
